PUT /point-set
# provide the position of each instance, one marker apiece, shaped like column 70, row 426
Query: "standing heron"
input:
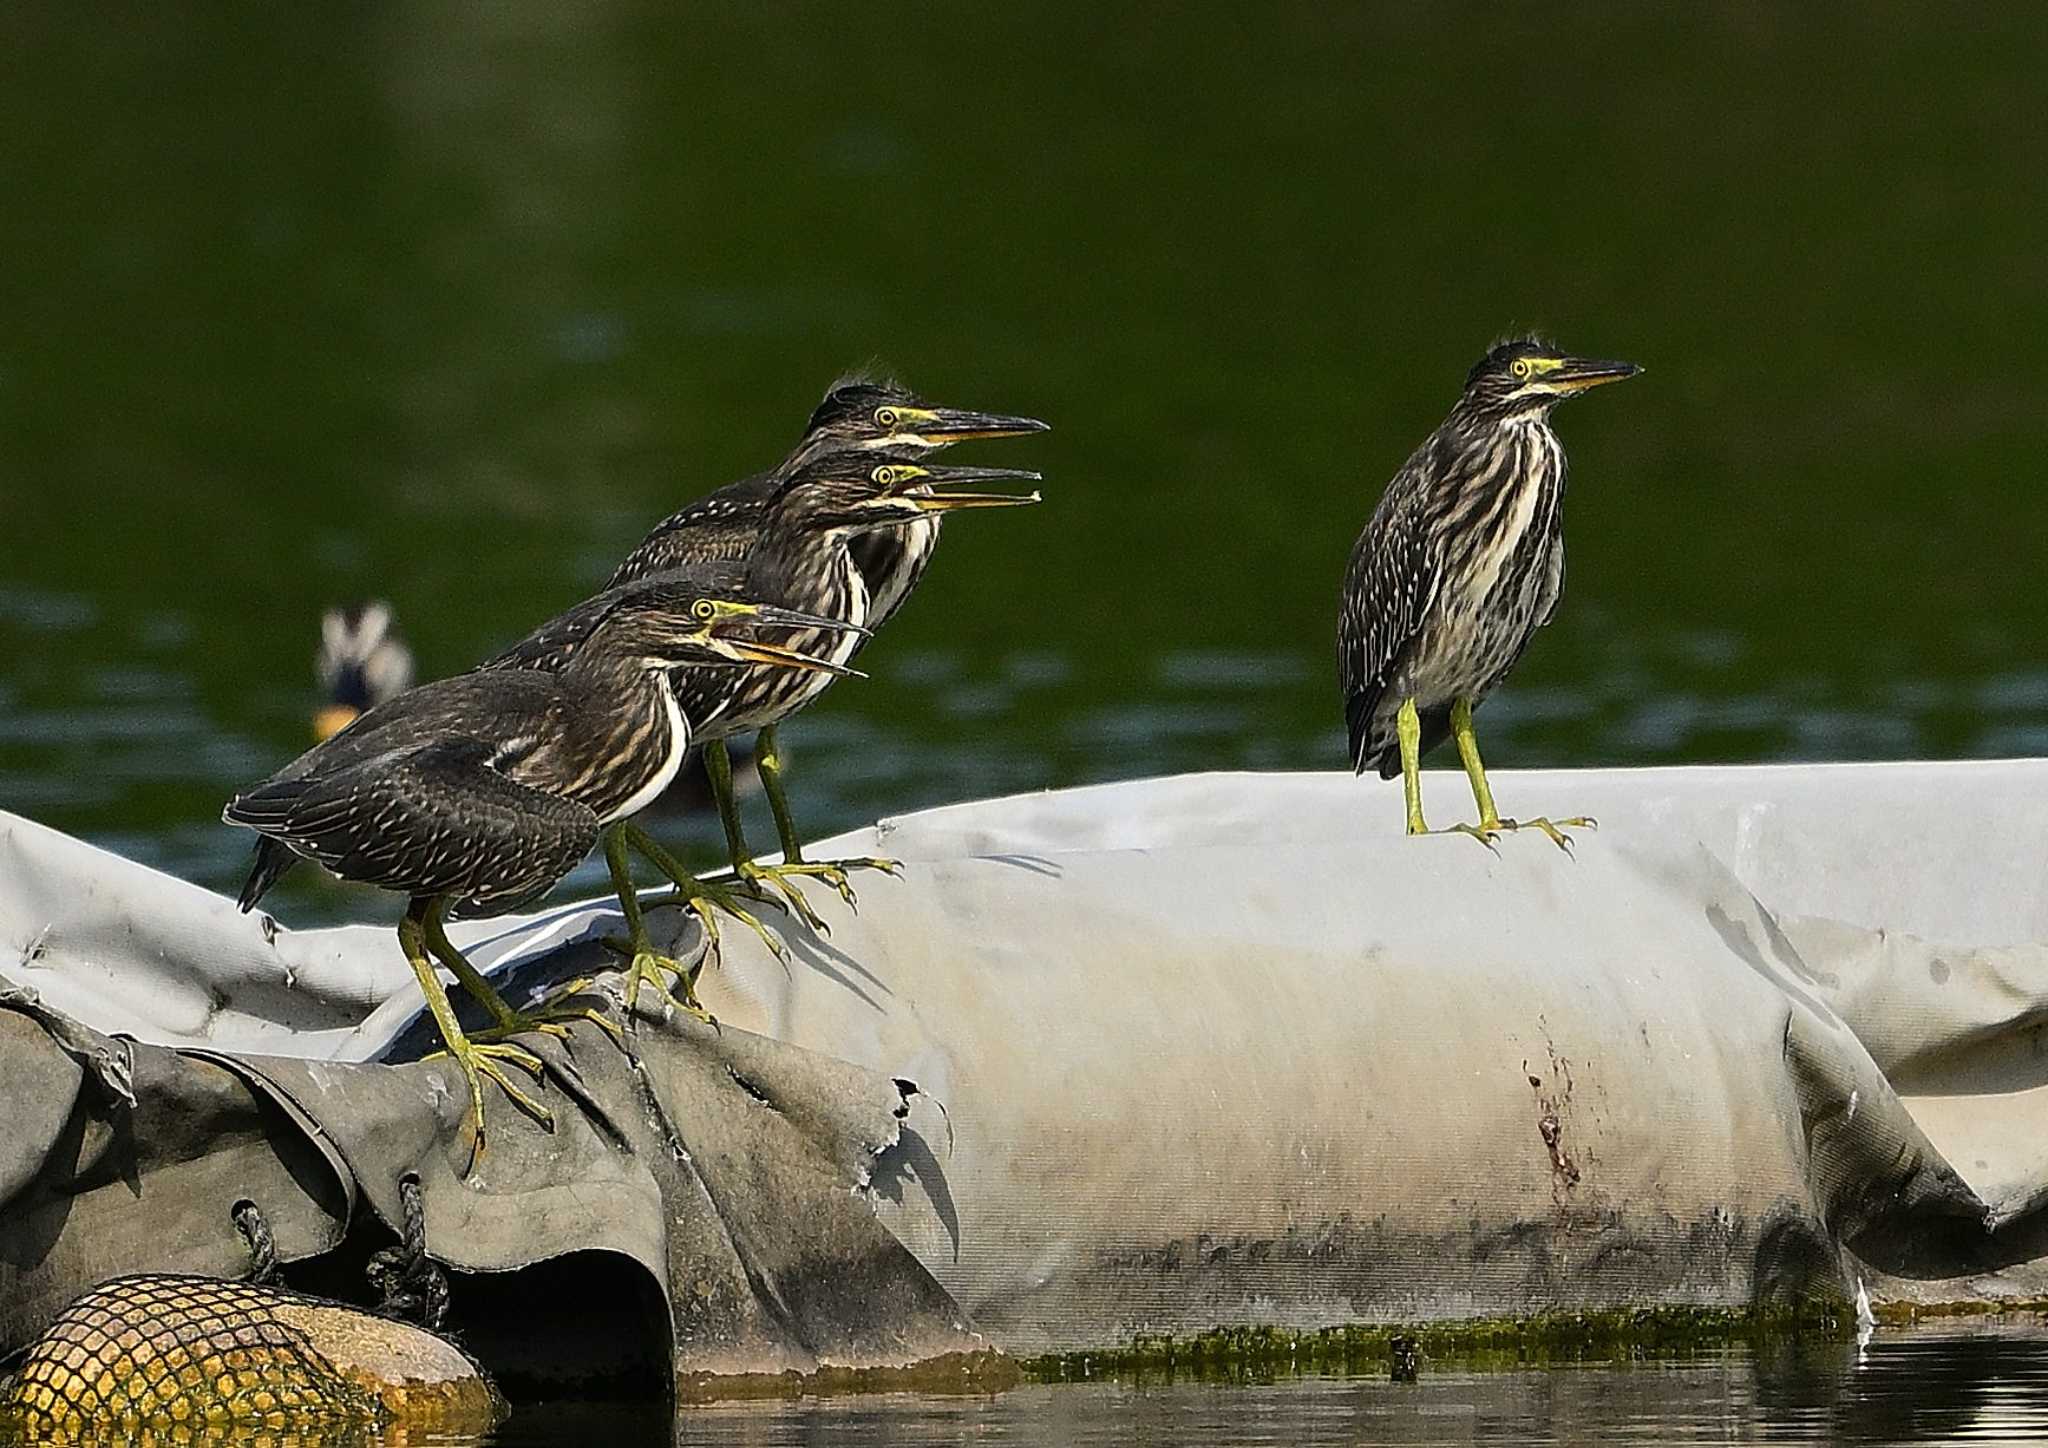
column 1462, row 561
column 856, row 415
column 795, row 550
column 477, row 793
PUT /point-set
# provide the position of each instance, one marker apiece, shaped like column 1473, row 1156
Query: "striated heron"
column 797, row 552
column 1462, row 561
column 857, row 414
column 477, row 793
column 363, row 661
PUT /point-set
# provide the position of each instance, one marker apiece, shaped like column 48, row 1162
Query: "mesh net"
column 180, row 1355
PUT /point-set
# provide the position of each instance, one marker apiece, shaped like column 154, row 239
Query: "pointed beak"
column 928, row 496
column 790, row 618
column 943, row 426
column 775, row 656
column 1580, row 373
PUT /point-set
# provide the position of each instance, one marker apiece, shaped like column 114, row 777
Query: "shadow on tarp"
column 695, row 1209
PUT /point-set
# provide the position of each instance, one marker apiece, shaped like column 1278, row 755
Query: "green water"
column 448, row 303
column 1947, row 1385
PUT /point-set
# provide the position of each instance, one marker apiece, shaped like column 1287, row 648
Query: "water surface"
column 448, row 304
column 1973, row 1384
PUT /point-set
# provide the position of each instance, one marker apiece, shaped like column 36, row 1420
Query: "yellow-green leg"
column 1408, row 730
column 506, row 1020
column 647, row 966
column 718, row 768
column 768, row 764
column 701, row 897
column 1490, row 823
column 476, row 1060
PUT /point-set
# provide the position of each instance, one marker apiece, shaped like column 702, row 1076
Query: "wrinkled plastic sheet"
column 1194, row 1052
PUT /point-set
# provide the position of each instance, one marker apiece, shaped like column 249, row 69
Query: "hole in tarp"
column 749, row 1087
column 588, row 1325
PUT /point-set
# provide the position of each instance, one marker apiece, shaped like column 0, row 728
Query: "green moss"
column 1905, row 1314
column 1261, row 1353
column 975, row 1374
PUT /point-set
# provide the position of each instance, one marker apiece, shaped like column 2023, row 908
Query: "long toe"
column 649, row 970
column 829, row 871
column 1549, row 829
column 834, row 872
column 519, row 1023
column 488, row 1057
column 746, row 917
column 782, row 879
column 480, row 1062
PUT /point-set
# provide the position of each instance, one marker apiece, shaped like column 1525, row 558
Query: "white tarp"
column 1230, row 1048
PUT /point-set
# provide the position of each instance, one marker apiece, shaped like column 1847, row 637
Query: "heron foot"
column 705, row 899
column 650, row 969
column 549, row 1019
column 1554, row 830
column 478, row 1061
column 831, row 872
column 1487, row 832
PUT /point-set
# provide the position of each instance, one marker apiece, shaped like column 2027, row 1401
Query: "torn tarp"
column 1231, row 1049
column 722, row 1166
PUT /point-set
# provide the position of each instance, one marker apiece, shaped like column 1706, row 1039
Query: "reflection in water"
column 1980, row 1383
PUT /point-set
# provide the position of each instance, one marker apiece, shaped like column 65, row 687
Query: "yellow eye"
column 884, row 476
column 704, row 609
column 1521, row 369
column 885, row 417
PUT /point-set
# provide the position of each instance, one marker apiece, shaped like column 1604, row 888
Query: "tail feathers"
column 265, row 809
column 272, row 860
column 267, row 805
column 1358, row 710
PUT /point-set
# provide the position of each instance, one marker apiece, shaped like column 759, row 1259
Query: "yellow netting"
column 182, row 1356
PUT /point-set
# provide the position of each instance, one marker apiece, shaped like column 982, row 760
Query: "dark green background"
column 447, row 303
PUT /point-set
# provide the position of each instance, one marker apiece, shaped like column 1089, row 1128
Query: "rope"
column 249, row 1221
column 413, row 1287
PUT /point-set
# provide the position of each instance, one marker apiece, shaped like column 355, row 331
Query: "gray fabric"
column 724, row 1165
column 1230, row 1048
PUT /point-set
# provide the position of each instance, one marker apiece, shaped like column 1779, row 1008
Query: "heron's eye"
column 704, row 609
column 884, row 476
column 886, row 417
column 1521, row 369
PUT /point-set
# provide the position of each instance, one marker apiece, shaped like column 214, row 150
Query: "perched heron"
column 477, row 793
column 362, row 662
column 1462, row 561
column 796, row 551
column 857, row 414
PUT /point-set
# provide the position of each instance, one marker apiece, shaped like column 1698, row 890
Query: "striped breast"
column 768, row 695
column 1508, row 519
column 891, row 561
column 615, row 760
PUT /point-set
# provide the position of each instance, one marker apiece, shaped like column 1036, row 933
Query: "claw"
column 831, row 872
column 792, row 899
column 723, row 897
column 549, row 1020
column 478, row 1061
column 1487, row 832
column 1554, row 830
